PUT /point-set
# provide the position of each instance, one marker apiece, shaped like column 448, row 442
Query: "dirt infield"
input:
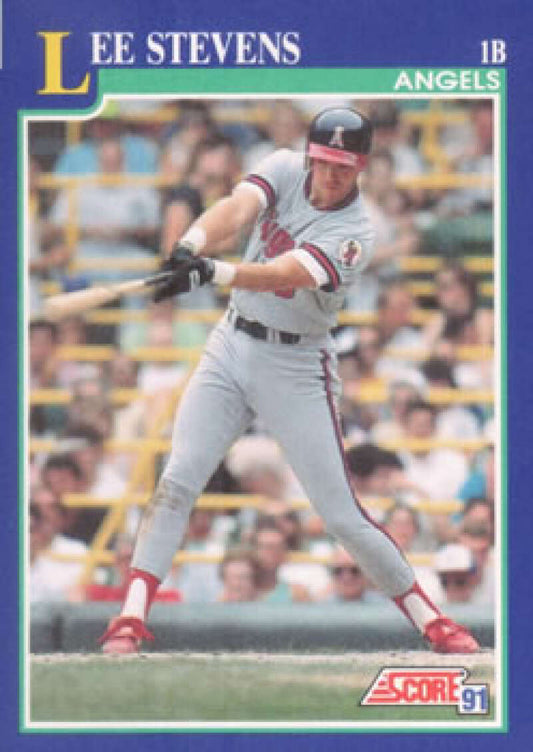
column 374, row 658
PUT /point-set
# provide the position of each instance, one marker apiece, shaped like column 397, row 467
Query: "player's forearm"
column 259, row 277
column 283, row 273
column 224, row 220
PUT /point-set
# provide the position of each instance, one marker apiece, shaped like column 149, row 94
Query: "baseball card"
column 266, row 381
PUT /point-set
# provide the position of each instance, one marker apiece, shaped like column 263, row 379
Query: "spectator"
column 194, row 126
column 401, row 394
column 140, row 154
column 456, row 569
column 128, row 420
column 476, row 159
column 184, row 333
column 479, row 513
column 99, row 477
column 287, row 520
column 85, row 470
column 286, row 129
column 348, row 583
column 480, row 481
column 396, row 235
column 467, row 374
column 43, row 354
column 43, row 374
column 395, row 308
column 165, row 375
column 62, row 474
column 393, row 134
column 47, row 249
column 90, row 407
column 256, row 463
column 438, row 472
column 370, row 473
column 453, row 421
column 214, row 170
column 239, row 572
column 403, row 525
column 259, row 467
column 376, row 474
column 271, row 550
column 50, row 578
column 115, row 219
column 477, row 537
column 50, row 507
column 360, row 415
column 459, row 319
column 199, row 582
column 314, row 576
column 394, row 316
column 72, row 332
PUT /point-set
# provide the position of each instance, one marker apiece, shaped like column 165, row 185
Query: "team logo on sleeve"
column 350, row 252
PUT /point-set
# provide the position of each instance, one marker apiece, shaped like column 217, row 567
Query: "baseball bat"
column 69, row 303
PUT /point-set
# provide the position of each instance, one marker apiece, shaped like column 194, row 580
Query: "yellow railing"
column 98, row 554
column 255, row 501
column 142, row 478
column 407, row 265
column 95, row 353
column 365, row 394
column 162, row 446
column 437, row 181
column 417, row 288
column 107, row 558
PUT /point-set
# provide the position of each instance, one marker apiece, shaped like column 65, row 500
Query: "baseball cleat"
column 445, row 636
column 124, row 636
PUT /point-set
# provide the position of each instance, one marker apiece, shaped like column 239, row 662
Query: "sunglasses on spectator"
column 337, row 571
column 459, row 580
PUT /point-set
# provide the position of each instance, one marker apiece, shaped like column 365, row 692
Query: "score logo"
column 431, row 686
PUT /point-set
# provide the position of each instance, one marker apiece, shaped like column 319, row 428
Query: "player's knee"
column 172, row 495
column 347, row 529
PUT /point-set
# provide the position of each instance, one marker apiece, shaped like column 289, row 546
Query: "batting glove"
column 190, row 272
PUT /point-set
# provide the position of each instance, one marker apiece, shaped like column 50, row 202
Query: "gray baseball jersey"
column 292, row 386
column 339, row 241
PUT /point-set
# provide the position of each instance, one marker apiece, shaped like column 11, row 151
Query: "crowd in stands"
column 405, row 445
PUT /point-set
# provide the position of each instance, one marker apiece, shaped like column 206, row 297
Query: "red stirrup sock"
column 142, row 587
column 417, row 607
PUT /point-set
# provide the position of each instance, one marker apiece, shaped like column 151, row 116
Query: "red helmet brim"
column 339, row 156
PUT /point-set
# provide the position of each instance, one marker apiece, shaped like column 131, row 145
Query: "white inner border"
column 497, row 261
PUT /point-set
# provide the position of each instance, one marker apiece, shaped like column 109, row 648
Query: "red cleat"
column 445, row 636
column 124, row 636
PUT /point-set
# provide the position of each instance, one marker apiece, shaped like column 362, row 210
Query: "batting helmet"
column 340, row 135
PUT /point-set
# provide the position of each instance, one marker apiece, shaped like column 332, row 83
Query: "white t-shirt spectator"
column 51, row 579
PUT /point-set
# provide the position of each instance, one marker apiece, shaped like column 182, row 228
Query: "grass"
column 228, row 688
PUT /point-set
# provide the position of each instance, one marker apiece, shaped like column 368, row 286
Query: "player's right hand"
column 179, row 257
column 188, row 273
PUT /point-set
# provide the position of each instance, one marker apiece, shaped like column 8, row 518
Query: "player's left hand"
column 190, row 272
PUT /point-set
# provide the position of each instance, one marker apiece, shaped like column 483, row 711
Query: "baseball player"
column 272, row 355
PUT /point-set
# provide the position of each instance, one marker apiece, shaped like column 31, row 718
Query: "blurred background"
column 106, row 198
